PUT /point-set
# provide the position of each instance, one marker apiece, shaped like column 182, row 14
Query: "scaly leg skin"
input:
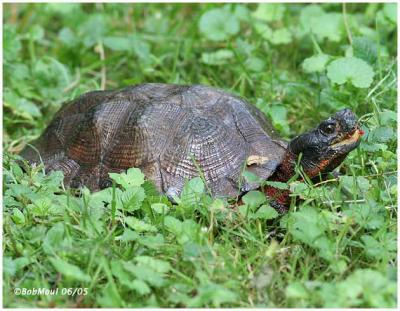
column 280, row 208
column 279, row 199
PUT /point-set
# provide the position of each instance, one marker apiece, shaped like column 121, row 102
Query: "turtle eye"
column 328, row 128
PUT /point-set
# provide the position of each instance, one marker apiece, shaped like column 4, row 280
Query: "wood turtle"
column 176, row 132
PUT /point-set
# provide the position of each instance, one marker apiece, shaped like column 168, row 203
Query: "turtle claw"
column 172, row 193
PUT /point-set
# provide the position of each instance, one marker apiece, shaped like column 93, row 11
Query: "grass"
column 129, row 246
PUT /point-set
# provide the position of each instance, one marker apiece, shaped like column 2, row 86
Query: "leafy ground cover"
column 127, row 245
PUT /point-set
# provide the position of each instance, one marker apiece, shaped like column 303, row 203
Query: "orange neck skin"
column 283, row 173
column 280, row 198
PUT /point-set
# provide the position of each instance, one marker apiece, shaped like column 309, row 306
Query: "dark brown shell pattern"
column 171, row 132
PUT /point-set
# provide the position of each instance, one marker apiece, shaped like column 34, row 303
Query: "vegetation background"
column 129, row 246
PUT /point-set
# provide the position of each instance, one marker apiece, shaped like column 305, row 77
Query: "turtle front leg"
column 280, row 208
column 280, row 199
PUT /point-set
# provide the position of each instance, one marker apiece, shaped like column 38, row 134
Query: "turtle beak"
column 348, row 141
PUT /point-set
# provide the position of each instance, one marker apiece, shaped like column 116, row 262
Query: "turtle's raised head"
column 326, row 146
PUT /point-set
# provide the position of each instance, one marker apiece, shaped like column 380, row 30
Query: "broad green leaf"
column 245, row 210
column 277, row 184
column 18, row 217
column 196, row 184
column 348, row 182
column 150, row 189
column 296, row 290
column 366, row 215
column 140, row 287
column 68, row 37
column 373, row 248
column 266, row 212
column 132, row 177
column 244, row 47
column 63, row 8
column 36, row 33
column 174, row 225
column 351, row 69
column 11, row 42
column 131, row 44
column 139, row 225
column 219, row 57
column 218, row 24
column 145, row 272
column 93, row 29
column 192, row 192
column 190, row 231
column 20, row 106
column 363, row 184
column 316, row 63
column 365, row 49
column 69, row 270
column 338, row 266
column 131, row 199
column 124, row 278
column 329, row 26
column 160, row 208
column 269, row 12
column 255, row 64
column 384, row 246
column 387, row 117
column 20, row 72
column 357, row 184
column 128, row 236
column 9, row 266
column 41, row 207
column 310, row 12
column 158, row 265
column 306, row 226
column 21, row 263
column 110, row 297
column 54, row 238
column 390, row 11
column 192, row 250
column 52, row 181
column 333, row 99
column 362, row 288
column 118, row 43
column 382, row 134
column 281, row 36
column 154, row 242
column 313, row 19
column 278, row 114
column 251, row 177
column 36, row 234
column 141, row 48
column 263, row 30
column 242, row 12
column 52, row 75
column 213, row 294
column 218, row 205
column 254, row 199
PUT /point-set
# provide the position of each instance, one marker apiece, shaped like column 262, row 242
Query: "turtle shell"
column 171, row 132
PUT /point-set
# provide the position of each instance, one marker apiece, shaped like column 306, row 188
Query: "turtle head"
column 326, row 146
